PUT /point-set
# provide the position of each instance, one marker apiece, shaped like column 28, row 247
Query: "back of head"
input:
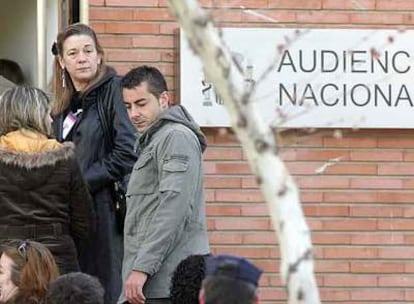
column 33, row 268
column 221, row 290
column 151, row 75
column 75, row 288
column 24, row 107
column 186, row 280
column 11, row 70
column 230, row 280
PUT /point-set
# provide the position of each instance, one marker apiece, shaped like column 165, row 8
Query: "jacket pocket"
column 143, row 176
column 137, row 228
column 174, row 170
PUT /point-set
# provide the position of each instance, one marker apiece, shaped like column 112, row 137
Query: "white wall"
column 18, row 35
column 52, row 31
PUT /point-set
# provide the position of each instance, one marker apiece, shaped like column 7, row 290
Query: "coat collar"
column 28, row 149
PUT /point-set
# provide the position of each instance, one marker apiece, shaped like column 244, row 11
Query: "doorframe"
column 42, row 47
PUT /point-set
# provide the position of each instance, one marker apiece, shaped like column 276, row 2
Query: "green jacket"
column 165, row 220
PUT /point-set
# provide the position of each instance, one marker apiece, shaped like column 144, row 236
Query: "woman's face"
column 81, row 59
column 7, row 288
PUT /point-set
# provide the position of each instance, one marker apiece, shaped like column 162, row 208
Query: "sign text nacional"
column 322, row 78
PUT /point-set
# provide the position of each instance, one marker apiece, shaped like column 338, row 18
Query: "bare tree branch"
column 257, row 139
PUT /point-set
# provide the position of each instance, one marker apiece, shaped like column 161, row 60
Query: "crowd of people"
column 70, row 159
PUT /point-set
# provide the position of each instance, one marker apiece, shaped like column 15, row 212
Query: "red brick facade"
column 360, row 210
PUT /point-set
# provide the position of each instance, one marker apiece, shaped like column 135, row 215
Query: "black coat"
column 43, row 197
column 102, row 257
column 99, row 168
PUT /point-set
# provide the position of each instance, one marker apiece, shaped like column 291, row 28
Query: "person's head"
column 26, row 268
column 230, row 280
column 11, row 70
column 75, row 288
column 25, row 107
column 78, row 62
column 186, row 280
column 145, row 95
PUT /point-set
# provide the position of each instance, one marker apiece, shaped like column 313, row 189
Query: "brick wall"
column 360, row 209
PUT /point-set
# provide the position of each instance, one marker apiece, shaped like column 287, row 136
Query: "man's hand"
column 133, row 287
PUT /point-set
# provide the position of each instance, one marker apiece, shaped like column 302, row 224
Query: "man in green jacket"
column 165, row 220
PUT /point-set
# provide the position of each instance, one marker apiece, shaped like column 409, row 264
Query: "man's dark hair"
column 11, row 70
column 151, row 75
column 75, row 288
column 224, row 290
column 186, row 280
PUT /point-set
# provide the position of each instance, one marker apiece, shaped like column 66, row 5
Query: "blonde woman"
column 42, row 193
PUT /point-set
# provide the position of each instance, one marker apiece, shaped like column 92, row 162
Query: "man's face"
column 7, row 288
column 143, row 107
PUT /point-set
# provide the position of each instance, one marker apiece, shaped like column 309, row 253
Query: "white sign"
column 346, row 78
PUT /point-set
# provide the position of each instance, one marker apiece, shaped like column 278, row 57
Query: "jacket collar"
column 110, row 73
column 28, row 149
column 176, row 114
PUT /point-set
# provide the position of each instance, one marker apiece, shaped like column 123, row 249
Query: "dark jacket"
column 165, row 220
column 102, row 256
column 100, row 169
column 43, row 195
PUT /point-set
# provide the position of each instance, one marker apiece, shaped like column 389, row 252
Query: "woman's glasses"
column 22, row 250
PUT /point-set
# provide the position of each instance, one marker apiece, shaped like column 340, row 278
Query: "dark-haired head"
column 186, row 280
column 74, row 288
column 151, row 75
column 11, row 70
column 230, row 280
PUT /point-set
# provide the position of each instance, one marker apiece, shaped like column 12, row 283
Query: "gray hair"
column 24, row 107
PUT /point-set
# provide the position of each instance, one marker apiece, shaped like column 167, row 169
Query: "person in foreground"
column 165, row 220
column 26, row 268
column 43, row 195
column 75, row 288
column 87, row 93
column 230, row 280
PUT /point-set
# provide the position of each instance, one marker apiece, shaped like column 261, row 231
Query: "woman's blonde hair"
column 63, row 94
column 24, row 107
column 33, row 268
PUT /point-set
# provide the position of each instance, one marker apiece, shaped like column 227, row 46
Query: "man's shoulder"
column 177, row 131
column 172, row 127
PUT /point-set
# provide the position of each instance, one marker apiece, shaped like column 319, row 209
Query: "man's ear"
column 201, row 299
column 256, row 299
column 164, row 100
